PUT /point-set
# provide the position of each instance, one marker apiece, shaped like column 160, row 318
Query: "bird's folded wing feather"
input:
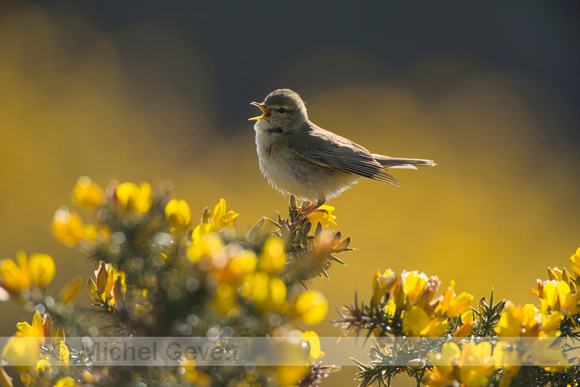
column 340, row 154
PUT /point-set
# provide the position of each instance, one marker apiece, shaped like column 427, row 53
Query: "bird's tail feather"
column 401, row 163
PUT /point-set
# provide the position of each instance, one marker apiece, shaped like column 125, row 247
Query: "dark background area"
column 248, row 42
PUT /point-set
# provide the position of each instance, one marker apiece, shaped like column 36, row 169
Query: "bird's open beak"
column 265, row 112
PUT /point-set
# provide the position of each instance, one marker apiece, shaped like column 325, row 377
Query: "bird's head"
column 282, row 108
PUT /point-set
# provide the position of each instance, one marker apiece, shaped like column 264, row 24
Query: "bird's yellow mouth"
column 265, row 112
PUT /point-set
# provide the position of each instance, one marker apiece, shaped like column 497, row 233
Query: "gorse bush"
column 158, row 274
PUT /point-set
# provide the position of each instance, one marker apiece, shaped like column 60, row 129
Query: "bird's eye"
column 281, row 110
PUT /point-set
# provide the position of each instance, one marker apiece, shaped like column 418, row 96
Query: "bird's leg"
column 309, row 210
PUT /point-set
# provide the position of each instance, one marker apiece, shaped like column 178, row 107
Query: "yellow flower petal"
column 311, row 307
column 436, row 328
column 314, row 342
column 550, row 324
column 278, row 292
column 464, row 329
column 546, row 352
column 43, row 366
column 242, row 263
column 415, row 321
column 92, row 289
column 225, row 299
column 507, row 358
column 322, row 215
column 67, row 226
column 218, row 212
column 203, row 244
column 291, row 375
column 22, row 352
column 255, row 286
column 42, row 269
column 178, row 213
column 65, row 382
column 90, row 232
column 414, row 283
column 443, row 361
column 86, row 193
column 273, row 256
column 71, row 291
column 220, row 218
column 458, row 304
column 34, row 330
column 133, row 197
column 509, row 325
column 468, row 315
column 63, row 352
column 15, row 277
column 575, row 262
column 23, row 349
column 199, row 232
column 551, row 294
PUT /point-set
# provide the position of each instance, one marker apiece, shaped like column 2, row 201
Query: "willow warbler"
column 300, row 158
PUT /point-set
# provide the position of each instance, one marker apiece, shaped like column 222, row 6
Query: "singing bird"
column 302, row 159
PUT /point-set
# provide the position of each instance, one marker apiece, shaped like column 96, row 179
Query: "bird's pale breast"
column 288, row 172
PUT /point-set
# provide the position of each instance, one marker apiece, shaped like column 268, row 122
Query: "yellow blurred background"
column 500, row 207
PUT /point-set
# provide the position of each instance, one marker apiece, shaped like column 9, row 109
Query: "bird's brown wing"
column 340, row 154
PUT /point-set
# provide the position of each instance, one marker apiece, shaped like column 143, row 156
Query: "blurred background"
column 148, row 91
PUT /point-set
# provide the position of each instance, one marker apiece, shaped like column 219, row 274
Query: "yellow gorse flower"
column 452, row 305
column 508, row 359
column 222, row 219
column 35, row 330
column 273, row 256
column 38, row 270
column 134, row 198
column 15, row 277
column 43, row 366
column 255, row 287
column 413, row 295
column 23, row 349
column 231, row 263
column 575, row 262
column 314, row 343
column 203, row 243
column 416, row 322
column 470, row 365
column 225, row 298
column 86, row 193
column 204, row 238
column 311, row 307
column 322, row 215
column 476, row 364
column 382, row 284
column 527, row 321
column 178, row 213
column 42, row 269
column 268, row 293
column 110, row 286
column 418, row 289
column 547, row 353
column 293, row 360
column 63, row 352
column 557, row 295
column 67, row 226
column 65, row 382
column 71, row 291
